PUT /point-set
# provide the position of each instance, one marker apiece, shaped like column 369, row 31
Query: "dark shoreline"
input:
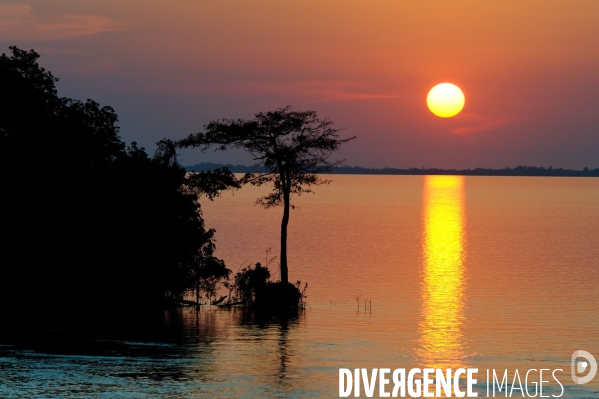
column 358, row 170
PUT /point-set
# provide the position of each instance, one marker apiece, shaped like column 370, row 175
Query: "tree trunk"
column 284, row 223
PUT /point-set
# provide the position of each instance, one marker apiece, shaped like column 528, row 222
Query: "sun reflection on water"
column 442, row 294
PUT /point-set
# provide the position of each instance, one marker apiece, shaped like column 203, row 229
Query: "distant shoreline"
column 358, row 170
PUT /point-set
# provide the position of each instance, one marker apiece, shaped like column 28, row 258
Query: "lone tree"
column 292, row 148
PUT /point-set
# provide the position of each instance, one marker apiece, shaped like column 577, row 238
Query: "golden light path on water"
column 442, row 291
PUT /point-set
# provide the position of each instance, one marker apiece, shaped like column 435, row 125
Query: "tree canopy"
column 85, row 218
column 292, row 147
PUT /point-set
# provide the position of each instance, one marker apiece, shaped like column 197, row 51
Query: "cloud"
column 315, row 90
column 18, row 22
column 474, row 123
column 341, row 95
column 93, row 66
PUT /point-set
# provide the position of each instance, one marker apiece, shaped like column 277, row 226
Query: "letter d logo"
column 581, row 367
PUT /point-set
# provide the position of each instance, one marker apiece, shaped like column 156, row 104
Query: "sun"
column 445, row 100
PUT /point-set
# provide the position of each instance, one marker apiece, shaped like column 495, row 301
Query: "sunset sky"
column 529, row 71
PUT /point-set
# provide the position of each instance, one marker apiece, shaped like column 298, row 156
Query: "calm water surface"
column 487, row 272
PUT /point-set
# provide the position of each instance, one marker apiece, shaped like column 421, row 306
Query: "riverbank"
column 358, row 170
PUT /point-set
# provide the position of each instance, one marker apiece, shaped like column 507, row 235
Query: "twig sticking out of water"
column 358, row 300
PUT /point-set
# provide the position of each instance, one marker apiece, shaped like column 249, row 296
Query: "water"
column 486, row 272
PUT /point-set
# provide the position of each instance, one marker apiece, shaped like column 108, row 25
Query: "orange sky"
column 528, row 70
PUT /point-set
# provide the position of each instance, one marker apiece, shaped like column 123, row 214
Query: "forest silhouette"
column 89, row 223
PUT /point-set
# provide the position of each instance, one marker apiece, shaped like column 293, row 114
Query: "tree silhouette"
column 293, row 147
column 85, row 220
